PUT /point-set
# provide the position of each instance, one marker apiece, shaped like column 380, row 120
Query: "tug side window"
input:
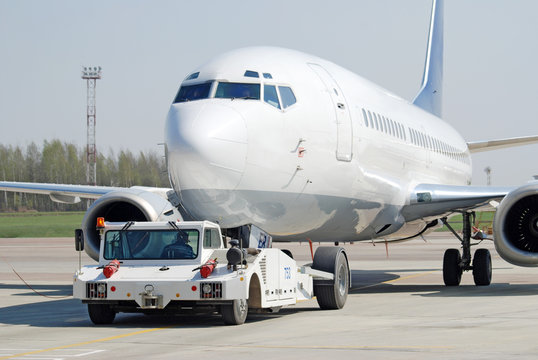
column 212, row 239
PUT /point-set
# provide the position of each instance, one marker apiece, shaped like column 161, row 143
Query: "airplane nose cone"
column 206, row 146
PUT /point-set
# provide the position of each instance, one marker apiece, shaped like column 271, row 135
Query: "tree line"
column 64, row 163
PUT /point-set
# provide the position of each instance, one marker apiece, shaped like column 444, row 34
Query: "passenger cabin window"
column 365, row 117
column 379, row 121
column 270, row 96
column 193, row 92
column 287, row 96
column 226, row 90
column 375, row 120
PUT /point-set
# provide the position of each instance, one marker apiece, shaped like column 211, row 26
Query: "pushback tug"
column 173, row 267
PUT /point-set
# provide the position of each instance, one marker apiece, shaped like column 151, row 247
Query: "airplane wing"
column 479, row 146
column 69, row 194
column 434, row 200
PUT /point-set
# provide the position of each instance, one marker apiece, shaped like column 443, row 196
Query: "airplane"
column 298, row 147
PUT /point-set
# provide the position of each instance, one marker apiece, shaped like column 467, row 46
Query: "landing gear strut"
column 454, row 263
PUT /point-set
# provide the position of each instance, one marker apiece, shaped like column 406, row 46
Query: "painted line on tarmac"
column 398, row 279
column 344, row 347
column 84, row 343
column 75, row 353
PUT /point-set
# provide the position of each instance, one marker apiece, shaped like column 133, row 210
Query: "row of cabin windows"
column 384, row 124
column 381, row 123
column 428, row 142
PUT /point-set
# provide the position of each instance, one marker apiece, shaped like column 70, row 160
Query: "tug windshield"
column 151, row 244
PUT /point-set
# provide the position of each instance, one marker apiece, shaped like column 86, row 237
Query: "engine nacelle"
column 515, row 226
column 134, row 204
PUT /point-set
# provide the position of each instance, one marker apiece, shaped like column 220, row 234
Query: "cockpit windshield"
column 151, row 244
column 228, row 90
column 193, row 92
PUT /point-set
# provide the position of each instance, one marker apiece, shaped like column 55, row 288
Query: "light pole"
column 91, row 75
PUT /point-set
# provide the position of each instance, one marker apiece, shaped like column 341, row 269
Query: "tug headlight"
column 206, row 289
column 101, row 288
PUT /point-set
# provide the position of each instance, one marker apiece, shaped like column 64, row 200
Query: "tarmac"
column 398, row 308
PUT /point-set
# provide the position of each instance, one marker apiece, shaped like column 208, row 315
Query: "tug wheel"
column 331, row 294
column 235, row 313
column 101, row 314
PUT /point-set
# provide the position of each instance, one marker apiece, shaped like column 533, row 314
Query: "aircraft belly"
column 294, row 216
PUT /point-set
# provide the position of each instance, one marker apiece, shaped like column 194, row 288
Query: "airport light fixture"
column 91, row 72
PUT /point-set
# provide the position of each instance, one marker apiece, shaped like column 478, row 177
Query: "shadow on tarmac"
column 68, row 313
column 374, row 282
column 48, row 290
column 72, row 313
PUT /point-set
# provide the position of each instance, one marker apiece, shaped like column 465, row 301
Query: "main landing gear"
column 454, row 263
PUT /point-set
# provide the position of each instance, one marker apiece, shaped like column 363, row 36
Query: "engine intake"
column 133, row 204
column 516, row 226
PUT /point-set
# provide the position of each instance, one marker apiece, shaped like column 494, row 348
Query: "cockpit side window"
column 287, row 96
column 270, row 96
column 193, row 92
column 252, row 74
column 226, row 90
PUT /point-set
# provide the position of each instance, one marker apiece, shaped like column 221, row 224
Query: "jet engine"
column 133, row 204
column 516, row 226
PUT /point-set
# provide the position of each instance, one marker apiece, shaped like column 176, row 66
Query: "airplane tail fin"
column 430, row 97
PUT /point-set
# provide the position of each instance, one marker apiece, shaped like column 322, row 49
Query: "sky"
column 146, row 48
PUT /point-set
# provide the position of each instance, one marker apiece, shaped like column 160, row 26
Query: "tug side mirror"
column 79, row 240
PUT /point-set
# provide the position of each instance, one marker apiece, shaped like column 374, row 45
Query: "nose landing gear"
column 454, row 263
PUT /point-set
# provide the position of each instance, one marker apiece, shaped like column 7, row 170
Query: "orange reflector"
column 100, row 222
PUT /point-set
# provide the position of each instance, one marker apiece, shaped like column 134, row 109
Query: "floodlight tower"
column 91, row 75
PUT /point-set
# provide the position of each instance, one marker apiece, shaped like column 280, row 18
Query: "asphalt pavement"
column 398, row 308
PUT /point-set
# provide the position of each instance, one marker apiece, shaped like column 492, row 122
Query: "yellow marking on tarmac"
column 85, row 343
column 398, row 279
column 342, row 347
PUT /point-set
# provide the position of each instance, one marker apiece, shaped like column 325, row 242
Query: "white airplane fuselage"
column 337, row 165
